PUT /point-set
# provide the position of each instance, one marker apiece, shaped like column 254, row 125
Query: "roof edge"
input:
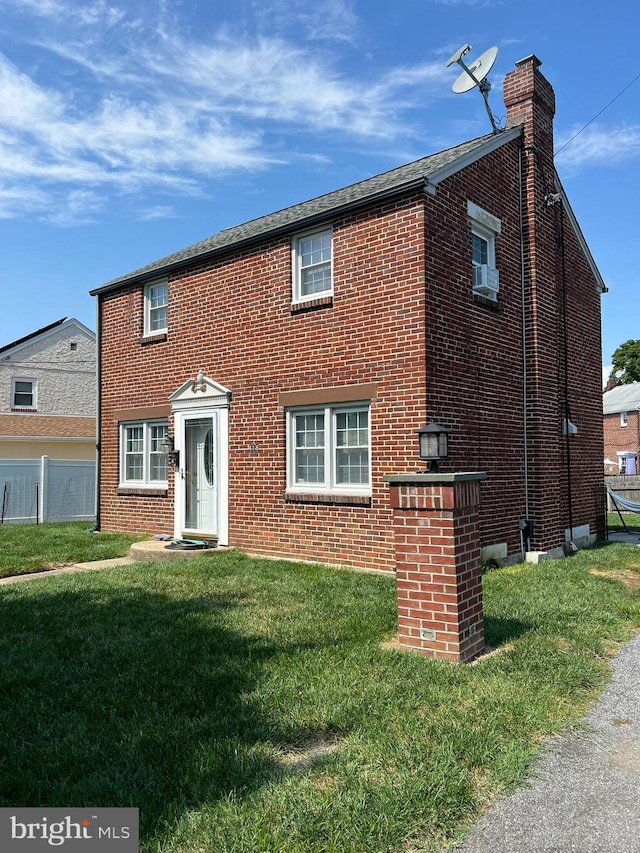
column 302, row 223
column 600, row 284
column 33, row 335
column 496, row 141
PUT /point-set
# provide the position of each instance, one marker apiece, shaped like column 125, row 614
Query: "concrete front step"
column 155, row 550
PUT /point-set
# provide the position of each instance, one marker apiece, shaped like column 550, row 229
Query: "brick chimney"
column 530, row 101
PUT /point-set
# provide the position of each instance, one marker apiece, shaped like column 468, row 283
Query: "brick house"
column 48, row 394
column 621, row 423
column 291, row 360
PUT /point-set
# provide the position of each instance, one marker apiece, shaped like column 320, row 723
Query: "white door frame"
column 193, row 400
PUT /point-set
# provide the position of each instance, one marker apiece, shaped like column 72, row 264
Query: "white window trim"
column 34, row 394
column 623, row 455
column 145, row 482
column 490, row 238
column 296, row 261
column 329, row 487
column 624, row 419
column 148, row 331
column 486, row 226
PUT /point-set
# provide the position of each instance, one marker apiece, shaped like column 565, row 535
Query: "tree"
column 626, row 362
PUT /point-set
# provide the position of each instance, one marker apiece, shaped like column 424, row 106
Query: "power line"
column 628, row 86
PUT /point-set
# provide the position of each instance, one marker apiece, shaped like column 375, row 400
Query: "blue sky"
column 131, row 129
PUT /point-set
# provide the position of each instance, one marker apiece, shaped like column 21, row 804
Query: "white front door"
column 200, row 475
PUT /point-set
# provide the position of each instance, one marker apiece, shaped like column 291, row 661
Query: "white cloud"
column 333, row 20
column 157, row 212
column 20, row 201
column 80, row 208
column 121, row 103
column 597, row 145
column 42, row 8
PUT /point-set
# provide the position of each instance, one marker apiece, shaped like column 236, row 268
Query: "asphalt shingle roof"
column 46, row 426
column 32, row 335
column 298, row 214
column 622, row 398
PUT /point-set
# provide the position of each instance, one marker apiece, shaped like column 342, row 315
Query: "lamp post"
column 434, row 446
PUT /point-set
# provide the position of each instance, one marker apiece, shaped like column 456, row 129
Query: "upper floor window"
column 623, row 419
column 329, row 450
column 143, row 456
column 23, row 394
column 312, row 265
column 156, row 300
column 484, row 229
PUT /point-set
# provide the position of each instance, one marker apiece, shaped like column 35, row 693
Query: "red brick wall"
column 404, row 317
column 438, row 568
column 617, row 437
column 232, row 318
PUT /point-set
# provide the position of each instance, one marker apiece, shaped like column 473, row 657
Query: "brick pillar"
column 438, row 563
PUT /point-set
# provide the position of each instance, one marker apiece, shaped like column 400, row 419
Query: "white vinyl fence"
column 40, row 490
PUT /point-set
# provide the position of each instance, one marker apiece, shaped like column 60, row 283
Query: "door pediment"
column 199, row 393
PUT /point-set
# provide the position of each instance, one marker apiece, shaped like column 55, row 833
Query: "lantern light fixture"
column 434, row 446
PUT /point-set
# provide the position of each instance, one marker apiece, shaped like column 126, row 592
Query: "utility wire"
column 598, row 114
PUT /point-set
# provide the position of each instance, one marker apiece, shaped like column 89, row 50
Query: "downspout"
column 525, row 412
column 570, row 545
column 98, row 407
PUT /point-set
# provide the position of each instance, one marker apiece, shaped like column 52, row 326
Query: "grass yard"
column 26, row 548
column 631, row 519
column 249, row 706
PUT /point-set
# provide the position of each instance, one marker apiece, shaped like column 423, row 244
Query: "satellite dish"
column 476, row 72
column 459, row 54
column 475, row 75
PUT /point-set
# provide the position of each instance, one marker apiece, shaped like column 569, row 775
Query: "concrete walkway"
column 584, row 794
column 147, row 551
column 66, row 570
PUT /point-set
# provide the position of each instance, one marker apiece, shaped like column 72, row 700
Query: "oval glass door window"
column 208, row 457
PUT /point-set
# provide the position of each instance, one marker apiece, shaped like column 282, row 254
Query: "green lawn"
column 28, row 548
column 631, row 519
column 249, row 706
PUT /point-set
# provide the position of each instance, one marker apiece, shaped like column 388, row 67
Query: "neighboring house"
column 291, row 361
column 47, row 394
column 621, row 417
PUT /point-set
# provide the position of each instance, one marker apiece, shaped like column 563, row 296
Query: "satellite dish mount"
column 475, row 75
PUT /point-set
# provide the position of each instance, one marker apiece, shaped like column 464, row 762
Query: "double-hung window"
column 624, row 419
column 312, row 256
column 156, row 301
column 329, row 450
column 143, row 458
column 484, row 229
column 23, row 394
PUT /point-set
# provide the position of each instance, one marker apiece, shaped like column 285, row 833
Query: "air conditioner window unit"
column 486, row 280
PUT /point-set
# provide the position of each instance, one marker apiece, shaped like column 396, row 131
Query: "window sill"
column 152, row 339
column 144, row 491
column 326, row 498
column 23, row 409
column 312, row 304
column 486, row 302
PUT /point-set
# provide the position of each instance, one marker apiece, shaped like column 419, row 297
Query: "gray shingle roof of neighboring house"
column 431, row 169
column 622, row 398
column 32, row 335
